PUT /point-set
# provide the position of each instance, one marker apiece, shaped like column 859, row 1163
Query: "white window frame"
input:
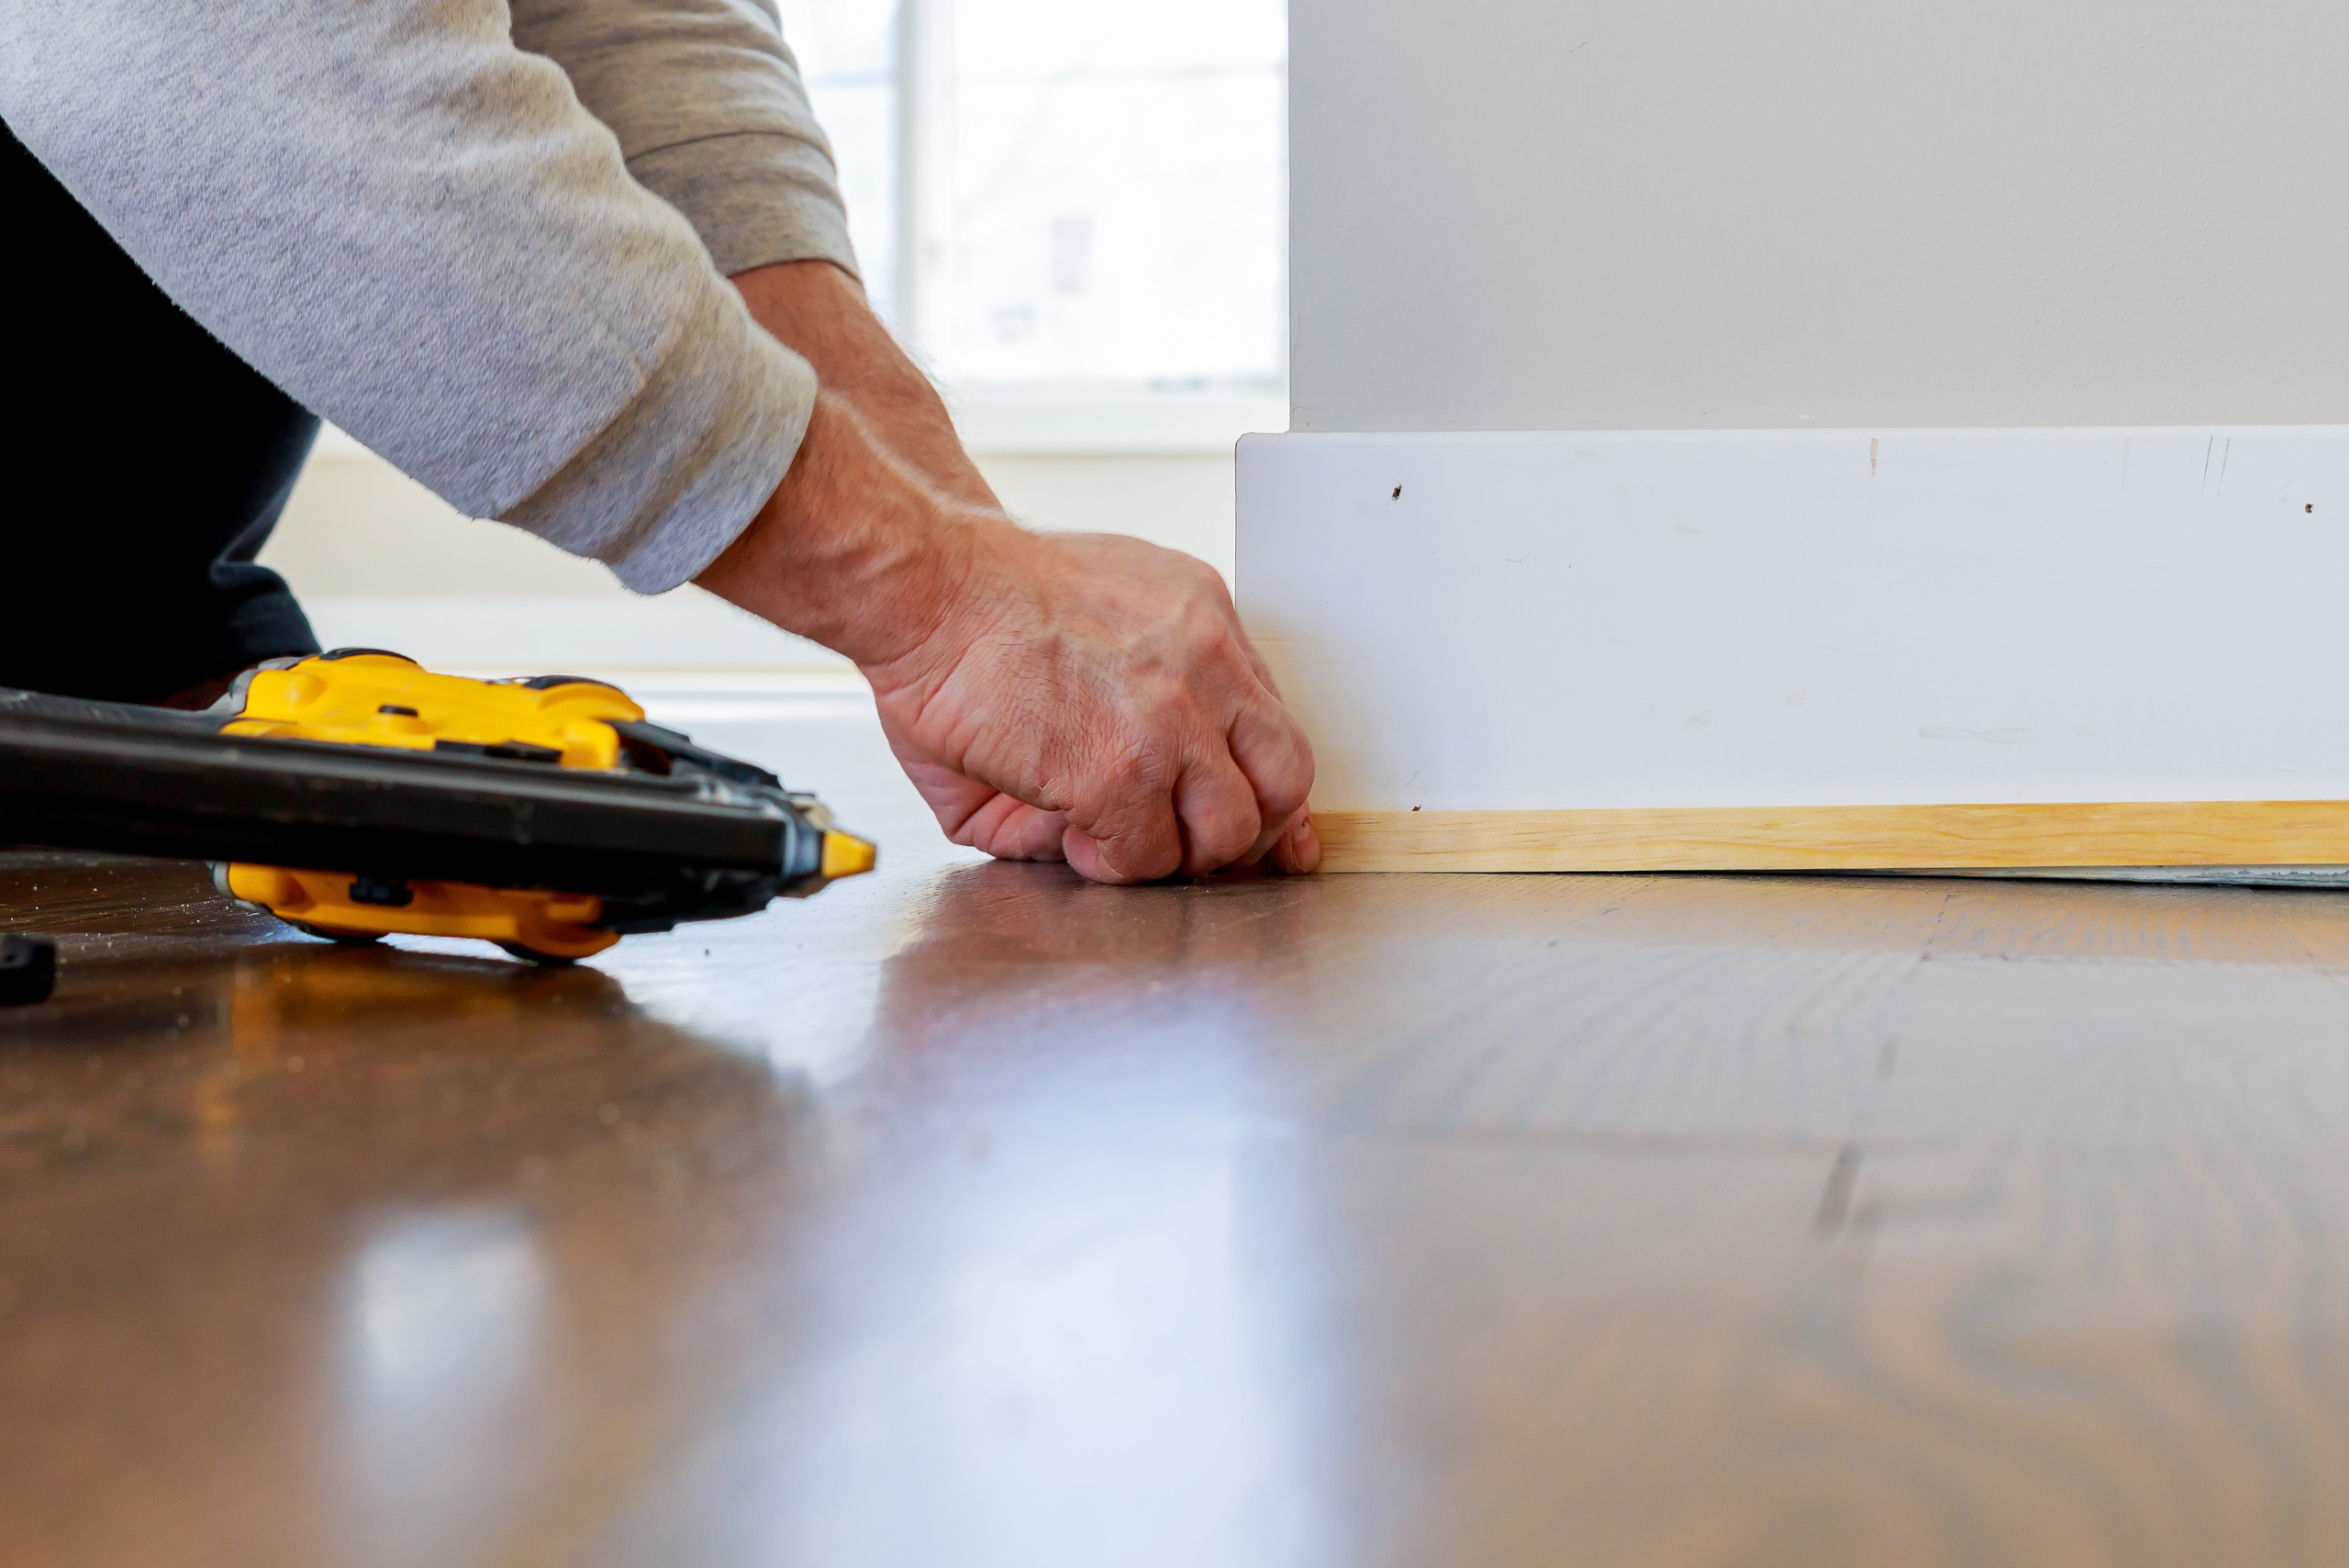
column 1077, row 418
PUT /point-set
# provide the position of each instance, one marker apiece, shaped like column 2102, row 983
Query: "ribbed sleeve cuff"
column 755, row 197
column 662, row 490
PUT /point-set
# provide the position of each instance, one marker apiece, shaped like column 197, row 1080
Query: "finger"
column 1215, row 806
column 1269, row 839
column 1298, row 850
column 1011, row 830
column 1125, row 859
column 1273, row 753
column 977, row 814
column 1133, row 835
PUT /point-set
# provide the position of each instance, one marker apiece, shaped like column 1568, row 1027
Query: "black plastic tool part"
column 693, row 843
column 658, row 751
column 28, row 970
column 510, row 750
column 387, row 892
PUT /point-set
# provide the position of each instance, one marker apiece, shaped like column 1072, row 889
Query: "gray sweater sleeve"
column 416, row 229
column 708, row 103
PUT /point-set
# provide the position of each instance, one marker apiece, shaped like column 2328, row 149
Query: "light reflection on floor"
column 446, row 1318
column 1079, row 1334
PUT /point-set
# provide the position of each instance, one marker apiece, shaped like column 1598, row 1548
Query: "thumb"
column 1145, row 846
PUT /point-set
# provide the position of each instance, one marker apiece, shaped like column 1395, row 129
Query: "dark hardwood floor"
column 970, row 1215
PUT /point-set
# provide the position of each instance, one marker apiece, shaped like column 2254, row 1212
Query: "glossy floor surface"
column 967, row 1215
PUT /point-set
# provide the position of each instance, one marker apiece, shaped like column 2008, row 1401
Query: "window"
column 1081, row 200
column 847, row 52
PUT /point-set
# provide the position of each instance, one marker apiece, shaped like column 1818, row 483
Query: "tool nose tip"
column 845, row 855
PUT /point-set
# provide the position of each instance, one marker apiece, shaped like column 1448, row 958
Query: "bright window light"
column 848, row 57
column 1064, row 193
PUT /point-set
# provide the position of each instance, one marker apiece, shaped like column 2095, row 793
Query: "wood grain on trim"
column 1841, row 837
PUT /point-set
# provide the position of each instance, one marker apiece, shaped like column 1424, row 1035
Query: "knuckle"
column 1205, row 618
column 1274, row 745
column 1284, row 800
column 1220, row 819
column 1147, row 861
column 1223, row 837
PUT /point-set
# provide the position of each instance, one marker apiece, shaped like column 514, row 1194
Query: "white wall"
column 1672, row 214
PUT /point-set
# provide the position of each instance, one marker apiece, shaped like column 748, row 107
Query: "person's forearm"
column 861, row 545
column 856, row 550
column 821, row 314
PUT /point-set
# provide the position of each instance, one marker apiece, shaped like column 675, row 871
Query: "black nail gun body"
column 356, row 794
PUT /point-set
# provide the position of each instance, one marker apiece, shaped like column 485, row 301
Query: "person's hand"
column 1083, row 697
column 1092, row 698
column 1088, row 697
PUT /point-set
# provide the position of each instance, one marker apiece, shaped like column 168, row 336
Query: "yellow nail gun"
column 543, row 814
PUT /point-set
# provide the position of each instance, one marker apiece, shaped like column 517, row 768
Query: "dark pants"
column 145, row 465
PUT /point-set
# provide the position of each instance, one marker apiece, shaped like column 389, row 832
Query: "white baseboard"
column 1722, row 618
column 687, row 629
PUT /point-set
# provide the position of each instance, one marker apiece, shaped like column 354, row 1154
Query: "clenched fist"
column 1085, row 698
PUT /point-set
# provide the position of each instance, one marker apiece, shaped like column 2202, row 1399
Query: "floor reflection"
column 1061, row 1307
column 315, row 1254
column 446, row 1300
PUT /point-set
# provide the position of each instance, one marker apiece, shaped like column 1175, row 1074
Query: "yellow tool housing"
column 383, row 699
column 371, row 698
